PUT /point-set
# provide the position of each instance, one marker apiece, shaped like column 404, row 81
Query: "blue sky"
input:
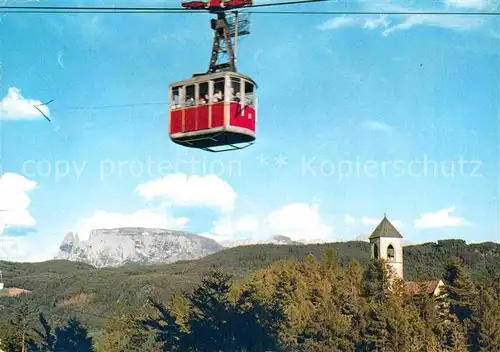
column 350, row 109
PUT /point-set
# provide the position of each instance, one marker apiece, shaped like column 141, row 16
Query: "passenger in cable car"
column 203, row 100
column 176, row 101
column 218, row 97
column 237, row 98
column 175, row 105
column 189, row 101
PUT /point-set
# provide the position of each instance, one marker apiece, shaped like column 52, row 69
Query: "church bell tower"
column 387, row 243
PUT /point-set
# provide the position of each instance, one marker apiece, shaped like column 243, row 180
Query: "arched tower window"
column 390, row 253
column 375, row 251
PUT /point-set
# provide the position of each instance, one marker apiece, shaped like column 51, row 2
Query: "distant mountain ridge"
column 119, row 246
column 278, row 239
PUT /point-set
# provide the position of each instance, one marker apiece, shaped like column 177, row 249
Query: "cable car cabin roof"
column 203, row 77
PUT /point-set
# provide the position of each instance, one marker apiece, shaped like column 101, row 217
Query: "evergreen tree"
column 179, row 307
column 351, row 300
column 258, row 323
column 460, row 289
column 462, row 298
column 17, row 339
column 48, row 339
column 354, row 277
column 329, row 265
column 73, row 337
column 124, row 332
column 432, row 324
column 488, row 322
column 327, row 329
column 211, row 316
column 376, row 292
column 283, row 296
column 10, row 342
column 377, row 282
column 457, row 338
column 168, row 333
column 374, row 334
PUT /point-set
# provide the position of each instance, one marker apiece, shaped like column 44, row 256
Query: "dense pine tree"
column 461, row 291
column 17, row 333
column 488, row 321
column 124, row 332
column 72, row 337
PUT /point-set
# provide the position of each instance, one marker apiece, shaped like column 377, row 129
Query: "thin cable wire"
column 245, row 9
column 159, row 8
column 107, row 106
column 330, row 13
column 400, row 13
column 93, row 11
column 103, row 8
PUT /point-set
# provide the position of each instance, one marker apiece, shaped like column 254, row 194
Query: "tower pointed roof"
column 385, row 229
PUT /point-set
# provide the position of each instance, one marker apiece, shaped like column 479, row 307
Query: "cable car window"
column 249, row 94
column 235, row 89
column 190, row 91
column 203, row 98
column 176, row 98
column 218, row 90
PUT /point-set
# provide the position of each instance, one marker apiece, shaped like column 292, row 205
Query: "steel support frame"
column 222, row 42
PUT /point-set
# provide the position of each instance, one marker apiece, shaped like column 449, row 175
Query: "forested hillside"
column 61, row 289
column 313, row 304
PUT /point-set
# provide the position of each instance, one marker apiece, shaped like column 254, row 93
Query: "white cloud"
column 378, row 22
column 142, row 218
column 227, row 229
column 182, row 190
column 14, row 201
column 456, row 23
column 300, row 222
column 377, row 126
column 469, row 4
column 459, row 24
column 440, row 218
column 32, row 248
column 392, row 23
column 14, row 204
column 16, row 107
column 349, row 219
column 350, row 21
column 338, row 22
column 173, row 190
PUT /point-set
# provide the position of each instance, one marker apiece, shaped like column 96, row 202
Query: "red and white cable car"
column 217, row 110
column 213, row 111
